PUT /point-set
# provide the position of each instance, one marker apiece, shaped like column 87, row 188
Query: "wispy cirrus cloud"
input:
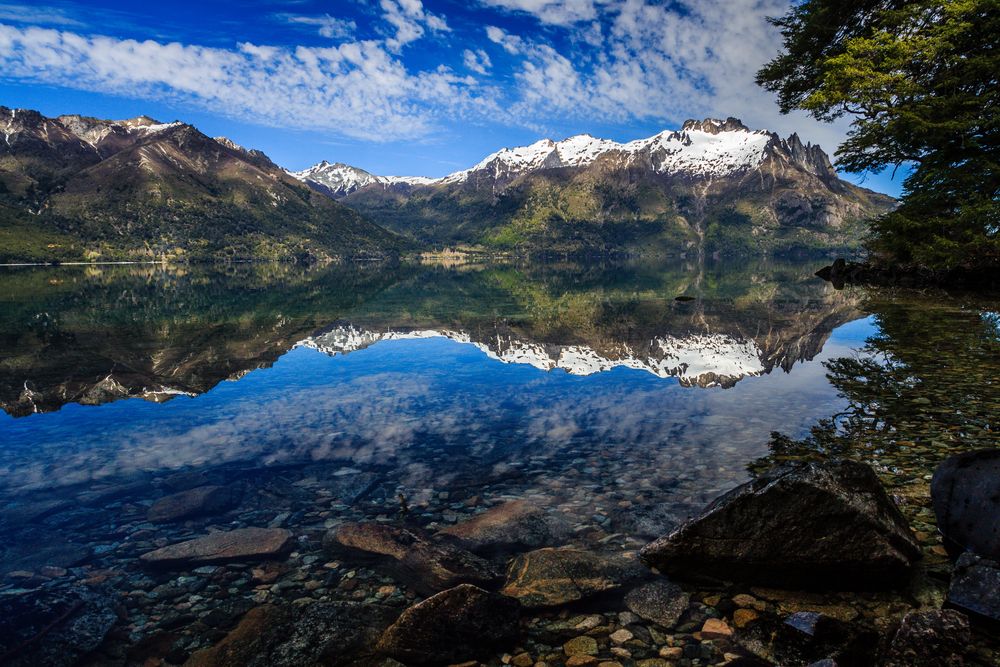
column 356, row 89
column 326, row 25
column 37, row 15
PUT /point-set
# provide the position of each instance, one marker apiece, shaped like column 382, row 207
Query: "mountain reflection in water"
column 453, row 375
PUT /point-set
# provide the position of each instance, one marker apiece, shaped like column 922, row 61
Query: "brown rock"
column 456, row 624
column 239, row 544
column 743, row 617
column 427, row 565
column 938, row 638
column 552, row 577
column 716, row 628
column 194, row 502
column 514, row 525
column 251, row 637
column 582, row 645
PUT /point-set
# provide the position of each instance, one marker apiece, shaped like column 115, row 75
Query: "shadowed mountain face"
column 75, row 188
column 91, row 336
column 712, row 187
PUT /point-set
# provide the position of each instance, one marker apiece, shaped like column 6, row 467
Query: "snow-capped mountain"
column 708, row 148
column 704, row 360
column 713, row 186
column 339, row 180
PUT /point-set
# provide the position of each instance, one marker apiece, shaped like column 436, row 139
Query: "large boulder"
column 457, row 624
column 814, row 526
column 199, row 501
column 421, row 562
column 323, row 633
column 222, row 547
column 935, row 638
column 553, row 577
column 975, row 587
column 515, row 525
column 70, row 623
column 965, row 492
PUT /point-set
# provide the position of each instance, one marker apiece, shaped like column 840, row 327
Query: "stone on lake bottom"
column 975, row 587
column 428, row 566
column 456, row 624
column 661, row 602
column 513, row 525
column 815, row 526
column 239, row 544
column 965, row 492
column 582, row 645
column 199, row 501
column 938, row 638
column 552, row 577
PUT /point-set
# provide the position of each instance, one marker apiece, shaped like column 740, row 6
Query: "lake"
column 620, row 398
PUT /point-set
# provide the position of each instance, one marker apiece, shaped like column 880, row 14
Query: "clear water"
column 426, row 393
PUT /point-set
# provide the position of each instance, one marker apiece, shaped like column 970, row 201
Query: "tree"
column 920, row 80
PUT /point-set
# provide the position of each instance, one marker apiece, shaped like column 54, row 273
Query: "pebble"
column 621, row 636
column 582, row 645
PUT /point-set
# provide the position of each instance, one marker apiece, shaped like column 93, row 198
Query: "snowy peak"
column 339, row 179
column 707, row 148
column 704, row 360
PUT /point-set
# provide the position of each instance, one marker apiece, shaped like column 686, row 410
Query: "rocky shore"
column 807, row 564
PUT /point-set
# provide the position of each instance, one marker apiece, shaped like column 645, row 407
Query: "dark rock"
column 808, row 637
column 975, row 587
column 515, row 525
column 661, row 602
column 426, row 565
column 815, row 526
column 43, row 549
column 54, row 629
column 194, row 502
column 457, row 624
column 182, row 481
column 233, row 545
column 965, row 491
column 938, row 638
column 553, row 577
column 334, row 633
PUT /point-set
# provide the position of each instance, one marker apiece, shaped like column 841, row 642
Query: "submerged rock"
column 426, row 565
column 515, row 525
column 814, row 526
column 553, row 577
column 194, row 502
column 965, row 492
column 240, row 544
column 937, row 638
column 55, row 629
column 808, row 637
column 457, row 624
column 334, row 633
column 661, row 602
column 975, row 587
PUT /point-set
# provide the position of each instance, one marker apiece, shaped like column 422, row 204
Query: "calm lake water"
column 348, row 393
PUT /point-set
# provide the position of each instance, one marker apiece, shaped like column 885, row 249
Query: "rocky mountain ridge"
column 74, row 187
column 712, row 186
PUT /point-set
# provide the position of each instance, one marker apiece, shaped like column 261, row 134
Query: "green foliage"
column 920, row 80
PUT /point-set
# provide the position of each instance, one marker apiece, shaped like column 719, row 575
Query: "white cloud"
column 356, row 89
column 478, row 61
column 556, row 12
column 328, row 26
column 691, row 58
column 409, row 19
column 36, row 15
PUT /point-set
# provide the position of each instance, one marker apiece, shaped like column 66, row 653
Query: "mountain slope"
column 714, row 186
column 75, row 187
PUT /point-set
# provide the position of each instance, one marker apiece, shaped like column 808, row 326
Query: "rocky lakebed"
column 807, row 564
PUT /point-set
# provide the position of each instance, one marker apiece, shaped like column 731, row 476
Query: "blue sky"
column 403, row 87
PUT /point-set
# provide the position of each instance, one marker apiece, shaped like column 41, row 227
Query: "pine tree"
column 920, row 80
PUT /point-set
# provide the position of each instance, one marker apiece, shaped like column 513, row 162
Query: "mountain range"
column 80, row 188
column 714, row 186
